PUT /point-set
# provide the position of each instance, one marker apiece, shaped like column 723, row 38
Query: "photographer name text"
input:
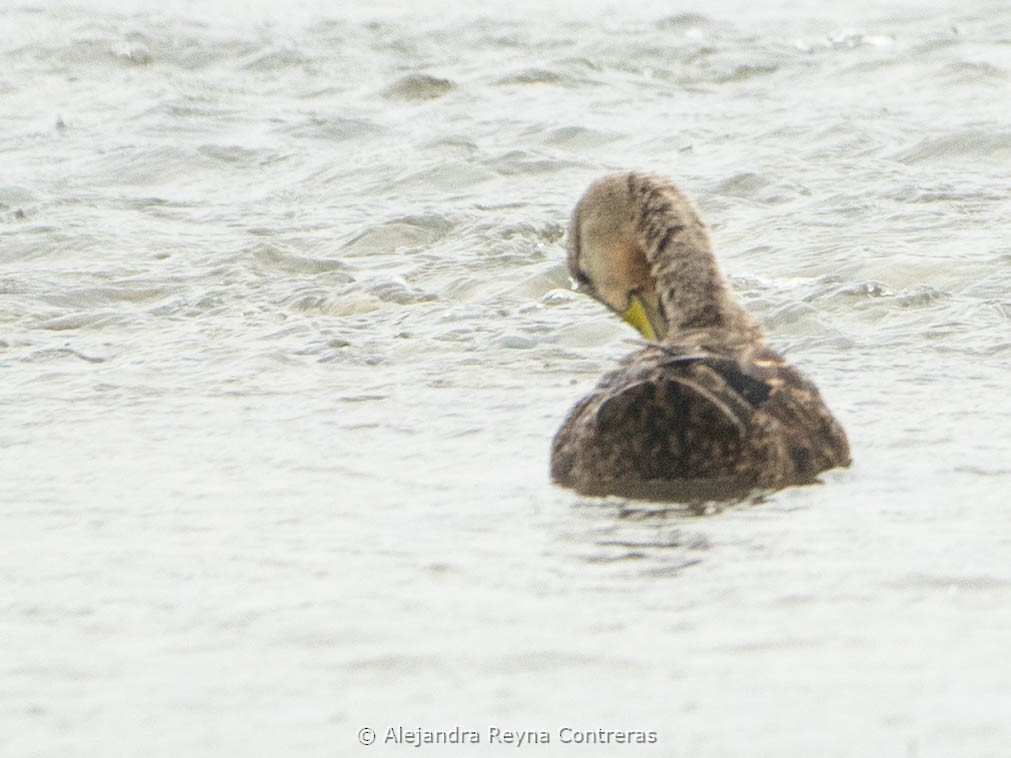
column 494, row 735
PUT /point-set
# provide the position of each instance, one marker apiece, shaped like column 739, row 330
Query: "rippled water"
column 285, row 333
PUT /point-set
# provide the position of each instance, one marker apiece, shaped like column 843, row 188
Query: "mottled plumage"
column 708, row 410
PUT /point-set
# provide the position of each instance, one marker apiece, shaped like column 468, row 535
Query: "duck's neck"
column 692, row 290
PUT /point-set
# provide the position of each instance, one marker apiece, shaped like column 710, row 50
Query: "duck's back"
column 735, row 416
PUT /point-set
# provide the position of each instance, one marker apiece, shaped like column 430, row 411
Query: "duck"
column 704, row 408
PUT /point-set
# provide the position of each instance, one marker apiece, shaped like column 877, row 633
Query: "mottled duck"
column 705, row 409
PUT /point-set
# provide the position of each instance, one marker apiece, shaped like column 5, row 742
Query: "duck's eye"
column 583, row 283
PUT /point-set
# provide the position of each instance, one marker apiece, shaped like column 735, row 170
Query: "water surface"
column 285, row 332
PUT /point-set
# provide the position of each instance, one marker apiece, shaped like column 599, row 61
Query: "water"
column 285, row 333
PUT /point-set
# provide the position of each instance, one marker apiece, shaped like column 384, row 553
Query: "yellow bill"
column 645, row 317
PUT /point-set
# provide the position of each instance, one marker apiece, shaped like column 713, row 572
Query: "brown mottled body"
column 708, row 408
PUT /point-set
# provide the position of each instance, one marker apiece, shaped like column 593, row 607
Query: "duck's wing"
column 789, row 411
column 740, row 378
column 685, row 416
column 747, row 413
column 808, row 437
column 745, row 416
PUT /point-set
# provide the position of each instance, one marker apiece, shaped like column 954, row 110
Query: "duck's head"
column 607, row 260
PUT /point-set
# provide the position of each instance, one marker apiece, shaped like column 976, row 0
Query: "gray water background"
column 285, row 332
